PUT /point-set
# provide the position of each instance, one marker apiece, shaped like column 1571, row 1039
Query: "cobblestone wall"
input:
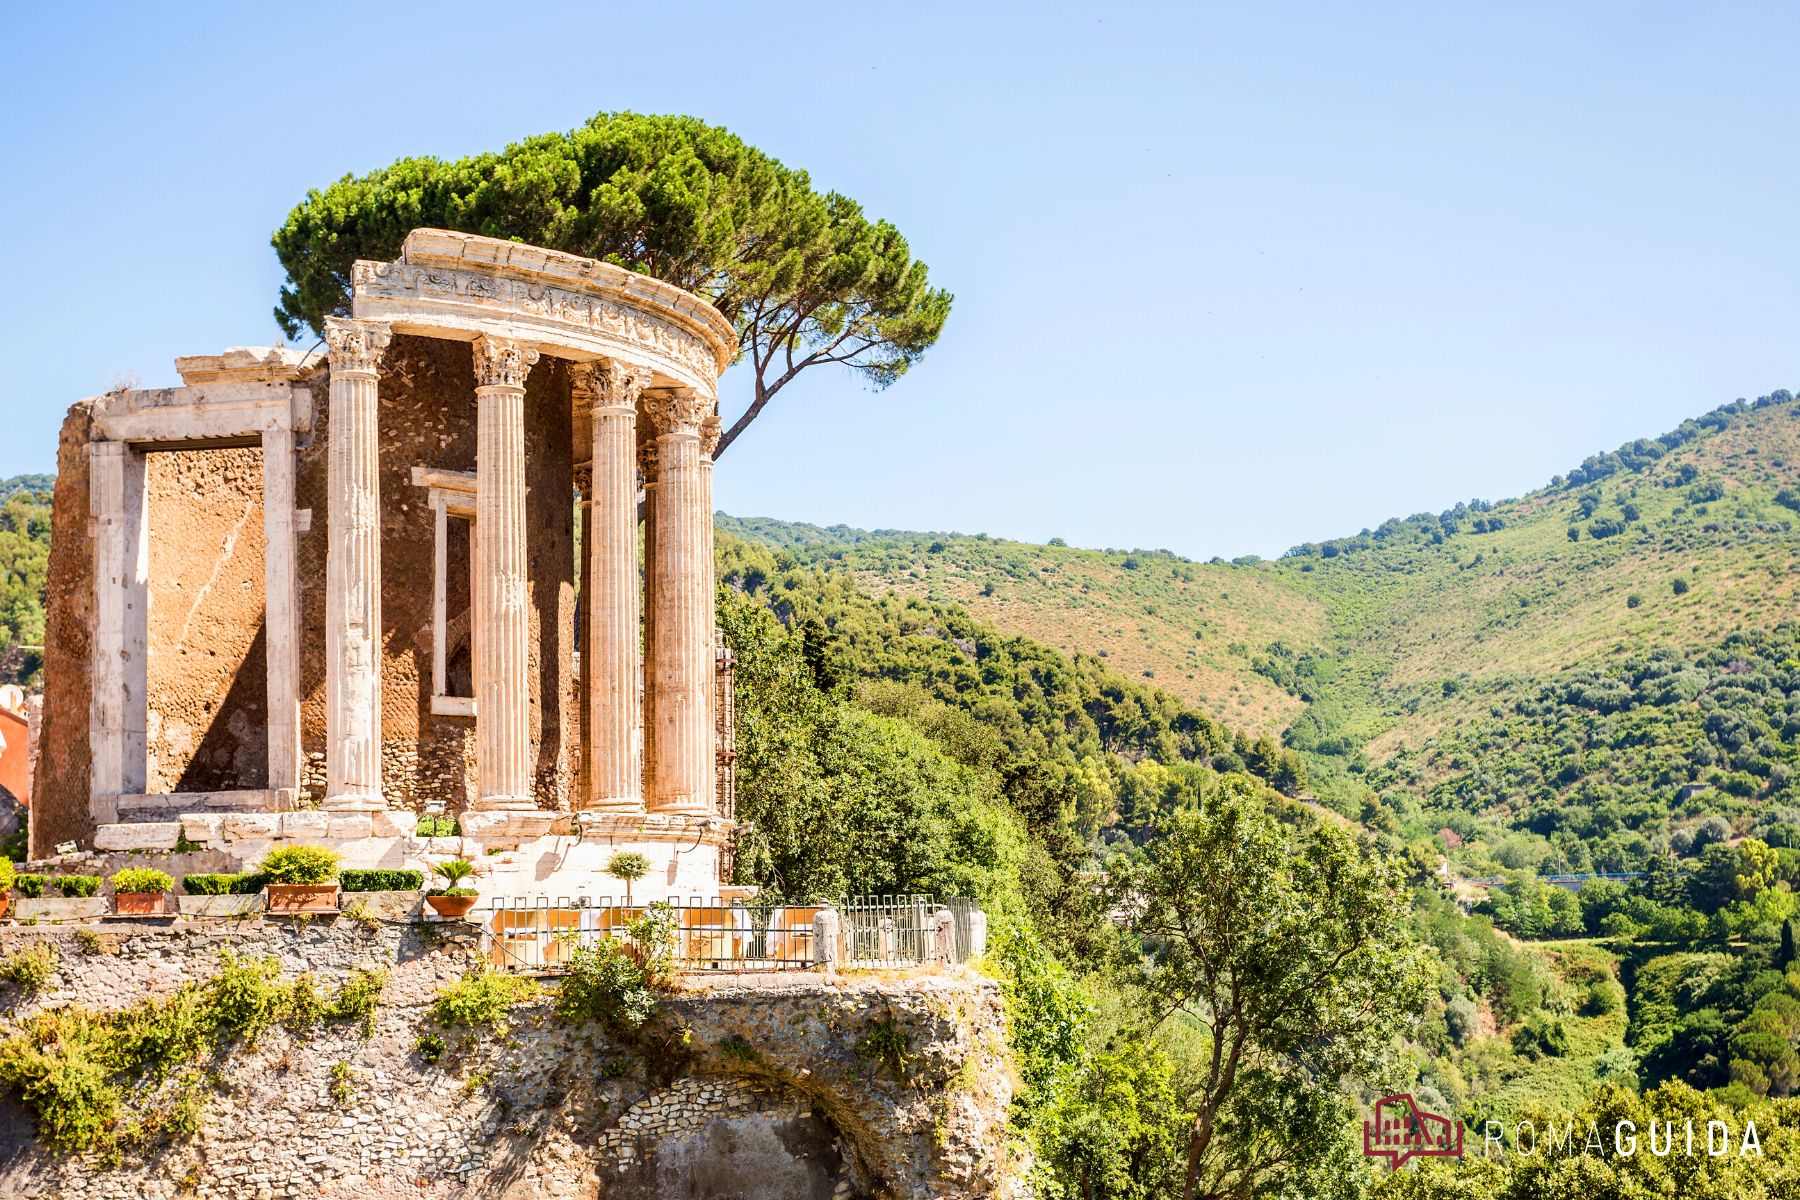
column 741, row 1086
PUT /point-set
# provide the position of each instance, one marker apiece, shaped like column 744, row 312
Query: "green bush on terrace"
column 223, row 885
column 355, row 880
column 300, row 865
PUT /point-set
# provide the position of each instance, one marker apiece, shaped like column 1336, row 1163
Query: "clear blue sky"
column 1227, row 278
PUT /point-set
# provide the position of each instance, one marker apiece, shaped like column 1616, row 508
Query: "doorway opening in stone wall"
column 206, row 713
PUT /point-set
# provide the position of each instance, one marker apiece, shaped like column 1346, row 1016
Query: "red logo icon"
column 1400, row 1129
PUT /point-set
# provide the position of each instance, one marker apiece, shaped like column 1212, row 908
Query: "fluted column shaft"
column 502, row 618
column 681, row 713
column 609, row 660
column 353, row 568
column 647, row 470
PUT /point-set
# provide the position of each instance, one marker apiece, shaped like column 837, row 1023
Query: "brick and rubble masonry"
column 741, row 1086
column 59, row 789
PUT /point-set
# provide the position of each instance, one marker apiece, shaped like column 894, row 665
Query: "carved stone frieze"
column 659, row 337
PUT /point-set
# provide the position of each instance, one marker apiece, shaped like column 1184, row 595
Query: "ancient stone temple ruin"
column 308, row 597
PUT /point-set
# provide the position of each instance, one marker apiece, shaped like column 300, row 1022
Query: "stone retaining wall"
column 741, row 1086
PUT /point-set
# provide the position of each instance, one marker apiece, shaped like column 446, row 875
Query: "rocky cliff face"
column 790, row 1086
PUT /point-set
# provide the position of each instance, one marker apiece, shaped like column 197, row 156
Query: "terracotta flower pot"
column 293, row 898
column 138, row 904
column 5, row 902
column 452, row 906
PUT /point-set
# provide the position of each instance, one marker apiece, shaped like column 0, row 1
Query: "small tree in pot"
column 301, row 879
column 138, row 891
column 452, row 899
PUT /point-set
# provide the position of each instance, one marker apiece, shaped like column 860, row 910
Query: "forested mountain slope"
column 1490, row 660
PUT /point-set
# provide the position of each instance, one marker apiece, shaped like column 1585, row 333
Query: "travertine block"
column 255, row 826
column 393, row 823
column 347, row 826
column 142, row 835
column 201, row 827
column 306, row 826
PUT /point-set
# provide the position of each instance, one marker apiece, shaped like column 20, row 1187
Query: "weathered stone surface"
column 256, row 826
column 202, row 827
column 306, row 826
column 139, row 835
column 753, row 1085
column 61, row 784
column 346, row 826
column 219, row 906
column 393, row 824
column 51, row 909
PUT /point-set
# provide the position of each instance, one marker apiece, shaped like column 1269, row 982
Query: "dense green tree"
column 1292, row 952
column 805, row 278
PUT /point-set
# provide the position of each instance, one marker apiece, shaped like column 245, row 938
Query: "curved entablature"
column 462, row 286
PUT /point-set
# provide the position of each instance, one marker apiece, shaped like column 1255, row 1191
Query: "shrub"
column 1679, row 586
column 31, row 886
column 222, row 885
column 7, row 876
column 453, row 872
column 359, row 996
column 30, row 967
column 246, row 996
column 438, row 826
column 607, row 985
column 381, row 881
column 482, row 997
column 78, row 886
column 300, row 864
column 141, row 881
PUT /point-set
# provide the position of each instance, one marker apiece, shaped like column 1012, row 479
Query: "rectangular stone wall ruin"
column 208, row 713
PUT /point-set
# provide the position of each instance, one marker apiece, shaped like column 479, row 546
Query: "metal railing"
column 695, row 935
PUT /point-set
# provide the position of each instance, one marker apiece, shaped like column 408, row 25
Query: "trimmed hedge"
column 78, row 886
column 30, row 886
column 223, row 885
column 380, row 881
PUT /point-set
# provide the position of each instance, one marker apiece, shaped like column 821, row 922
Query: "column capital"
column 711, row 430
column 355, row 346
column 646, row 459
column 677, row 411
column 608, row 383
column 584, row 481
column 502, row 362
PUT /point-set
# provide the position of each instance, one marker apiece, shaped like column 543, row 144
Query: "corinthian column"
column 502, row 622
column 609, row 660
column 353, row 569
column 682, row 659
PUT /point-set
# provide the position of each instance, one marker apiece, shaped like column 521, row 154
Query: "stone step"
column 168, row 806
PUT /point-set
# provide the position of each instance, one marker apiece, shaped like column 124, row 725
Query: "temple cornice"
column 462, row 286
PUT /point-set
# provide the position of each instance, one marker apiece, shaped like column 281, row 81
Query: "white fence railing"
column 541, row 933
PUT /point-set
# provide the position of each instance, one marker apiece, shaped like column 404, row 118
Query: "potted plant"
column 452, row 900
column 138, row 891
column 301, row 879
column 626, row 866
column 6, row 884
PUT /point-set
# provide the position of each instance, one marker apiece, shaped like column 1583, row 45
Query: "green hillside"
column 24, row 563
column 1413, row 660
